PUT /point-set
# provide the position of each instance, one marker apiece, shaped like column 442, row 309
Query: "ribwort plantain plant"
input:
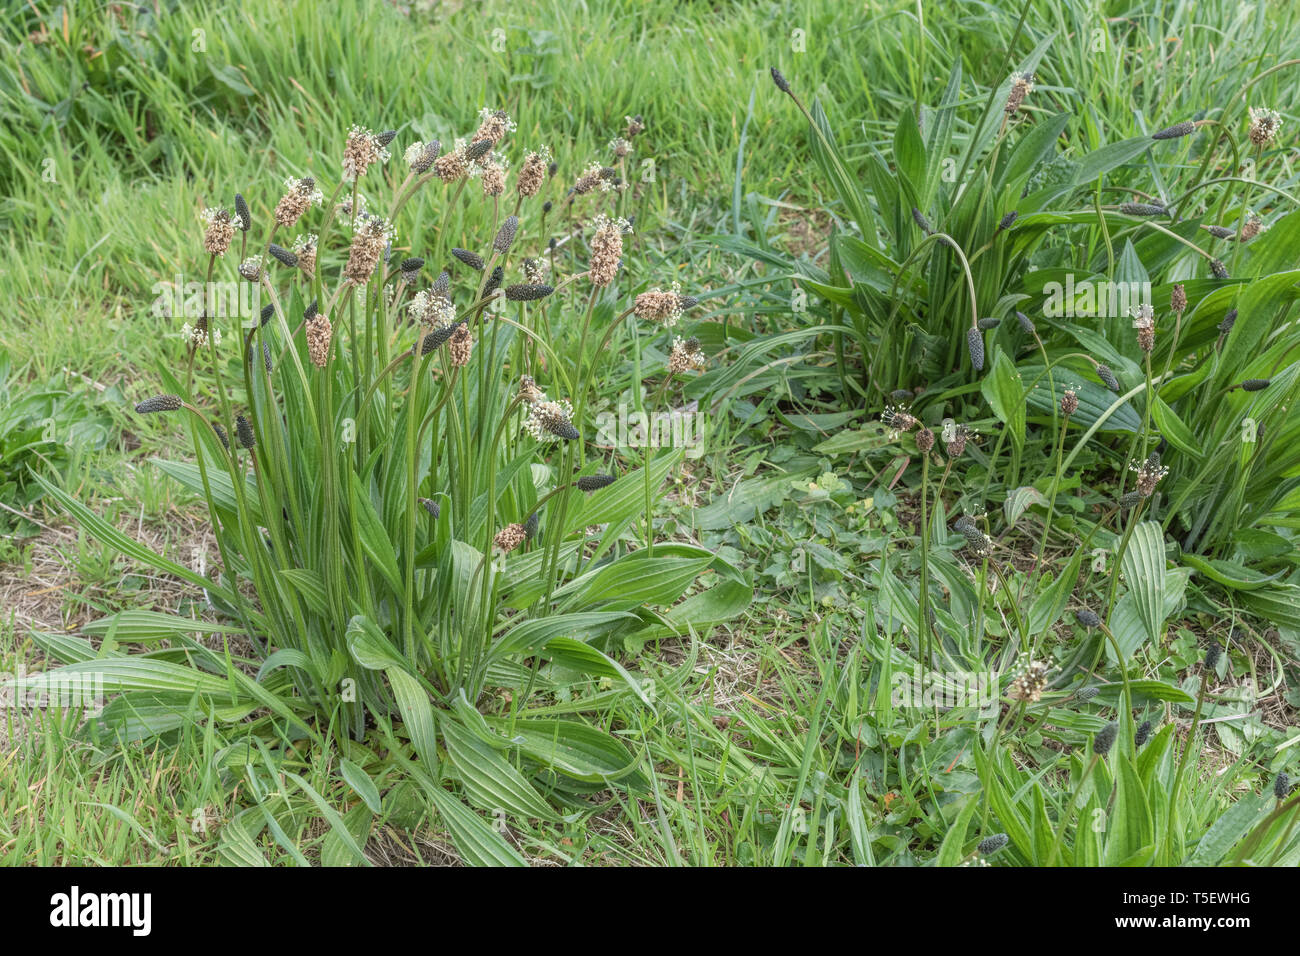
column 404, row 513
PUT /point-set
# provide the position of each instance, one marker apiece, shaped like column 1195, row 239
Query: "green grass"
column 770, row 739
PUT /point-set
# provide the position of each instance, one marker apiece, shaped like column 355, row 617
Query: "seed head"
column 159, row 403
column 1005, row 223
column 532, row 174
column 451, row 167
column 494, row 281
column 988, row 323
column 1105, row 739
column 594, row 482
column 531, row 525
column 299, row 196
column 476, row 150
column 219, row 232
column 244, row 433
column 493, row 126
column 493, row 177
column 529, row 392
column 1026, row 323
column 1264, row 124
column 919, row 218
column 1069, row 402
column 509, row 538
column 1221, row 232
column 924, row 441
column 305, row 248
column 779, row 79
column 221, row 436
column 635, row 126
column 1255, row 384
column 371, row 238
column 1281, row 785
column 657, row 305
column 1030, row 683
column 1252, row 227
column 975, row 344
column 1143, row 734
column 420, row 157
column 1175, row 131
column 685, row 355
column 1149, row 474
column 898, row 418
column 319, row 335
column 363, row 149
column 1219, row 269
column 956, row 446
column 267, row 312
column 460, row 346
column 1229, row 320
column 1107, row 376
column 1146, row 339
column 1212, row 655
column 606, row 250
column 431, row 506
column 1087, row 693
column 1178, row 299
column 1021, row 85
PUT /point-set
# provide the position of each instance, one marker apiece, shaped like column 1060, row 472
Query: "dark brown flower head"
column 1175, row 131
column 1105, row 739
column 1178, row 299
column 1143, row 734
column 1219, row 269
column 595, row 482
column 244, row 433
column 1221, row 232
column 410, row 268
column 1256, row 384
column 371, row 238
column 431, row 506
column 242, row 213
column 1026, row 323
column 494, row 281
column 924, row 441
column 1087, row 617
column 1252, row 227
column 159, row 403
column 478, row 149
column 493, row 126
column 221, row 436
column 505, row 237
column 282, row 255
column 956, row 444
column 529, row 392
column 635, row 126
column 779, row 79
column 1229, row 320
column 471, row 259
column 975, row 345
column 528, row 292
column 548, row 421
column 1107, row 376
column 1142, row 209
column 1069, row 402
